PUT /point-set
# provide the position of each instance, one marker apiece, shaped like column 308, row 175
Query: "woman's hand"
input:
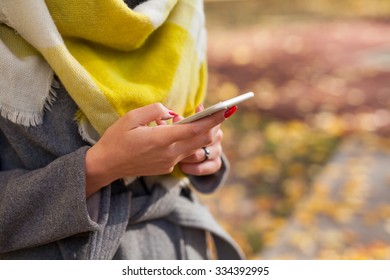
column 200, row 163
column 131, row 148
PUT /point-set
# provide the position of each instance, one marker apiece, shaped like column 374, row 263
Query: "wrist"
column 97, row 175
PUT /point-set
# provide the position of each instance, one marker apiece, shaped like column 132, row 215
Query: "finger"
column 200, row 169
column 190, row 146
column 212, row 140
column 145, row 115
column 198, row 156
column 160, row 122
column 183, row 132
column 177, row 118
column 199, row 108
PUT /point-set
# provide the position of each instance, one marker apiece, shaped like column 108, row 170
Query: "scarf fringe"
column 29, row 118
column 22, row 118
column 52, row 96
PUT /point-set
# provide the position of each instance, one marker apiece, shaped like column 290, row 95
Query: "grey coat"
column 44, row 213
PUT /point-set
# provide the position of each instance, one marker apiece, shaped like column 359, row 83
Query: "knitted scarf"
column 110, row 58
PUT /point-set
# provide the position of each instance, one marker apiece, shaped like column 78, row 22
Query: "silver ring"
column 206, row 153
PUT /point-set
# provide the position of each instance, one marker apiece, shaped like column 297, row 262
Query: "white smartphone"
column 223, row 105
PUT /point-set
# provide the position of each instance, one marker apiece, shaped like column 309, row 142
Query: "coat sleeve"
column 43, row 205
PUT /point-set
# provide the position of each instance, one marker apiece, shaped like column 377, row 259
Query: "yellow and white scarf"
column 110, row 58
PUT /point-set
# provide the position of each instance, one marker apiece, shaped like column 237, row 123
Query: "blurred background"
column 310, row 155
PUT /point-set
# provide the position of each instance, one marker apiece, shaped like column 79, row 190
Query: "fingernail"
column 172, row 113
column 201, row 107
column 230, row 111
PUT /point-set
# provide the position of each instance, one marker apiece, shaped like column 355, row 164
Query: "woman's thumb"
column 147, row 114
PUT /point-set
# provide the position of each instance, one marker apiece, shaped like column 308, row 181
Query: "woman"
column 108, row 184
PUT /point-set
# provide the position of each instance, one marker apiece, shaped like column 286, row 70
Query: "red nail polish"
column 230, row 111
column 172, row 113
